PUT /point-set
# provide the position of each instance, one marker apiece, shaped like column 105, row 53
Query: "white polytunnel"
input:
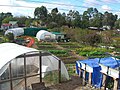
column 14, row 54
column 45, row 35
column 15, row 31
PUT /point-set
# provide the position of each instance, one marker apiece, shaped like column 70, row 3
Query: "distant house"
column 96, row 28
column 11, row 24
column 60, row 36
column 107, row 27
column 5, row 26
column 14, row 24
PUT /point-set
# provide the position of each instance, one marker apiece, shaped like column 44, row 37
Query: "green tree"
column 41, row 13
column 4, row 15
column 54, row 11
column 85, row 20
column 73, row 19
column 10, row 37
column 28, row 22
column 109, row 19
column 97, row 20
column 77, row 20
column 117, row 24
column 21, row 20
column 7, row 19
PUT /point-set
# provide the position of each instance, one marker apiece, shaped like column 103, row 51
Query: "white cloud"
column 106, row 0
column 22, row 7
column 118, row 13
column 106, row 8
column 2, row 2
column 90, row 3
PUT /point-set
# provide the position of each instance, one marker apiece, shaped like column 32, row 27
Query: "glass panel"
column 5, row 86
column 32, row 80
column 17, row 66
column 32, row 65
column 51, row 78
column 5, row 75
column 19, row 84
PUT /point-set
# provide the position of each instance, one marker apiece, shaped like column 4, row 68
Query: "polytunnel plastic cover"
column 10, row 51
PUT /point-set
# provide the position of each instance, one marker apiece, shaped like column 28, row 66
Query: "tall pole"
column 59, row 68
column 10, row 76
column 25, row 72
column 40, row 66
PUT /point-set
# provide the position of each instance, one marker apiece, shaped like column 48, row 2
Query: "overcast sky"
column 27, row 7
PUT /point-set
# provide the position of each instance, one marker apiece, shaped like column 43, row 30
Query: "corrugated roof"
column 57, row 33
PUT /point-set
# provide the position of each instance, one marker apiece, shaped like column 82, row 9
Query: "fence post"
column 80, row 72
column 90, row 78
column 84, row 75
column 115, row 84
column 104, row 81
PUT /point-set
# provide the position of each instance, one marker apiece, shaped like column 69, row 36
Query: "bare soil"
column 72, row 84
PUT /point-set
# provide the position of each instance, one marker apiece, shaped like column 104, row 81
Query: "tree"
column 10, row 37
column 54, row 14
column 41, row 13
column 97, row 20
column 85, row 20
column 7, row 19
column 73, row 19
column 21, row 20
column 4, row 15
column 77, row 20
column 117, row 24
column 93, row 39
column 109, row 19
column 54, row 11
column 28, row 22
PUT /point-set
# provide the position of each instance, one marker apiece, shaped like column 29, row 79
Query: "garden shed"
column 21, row 67
column 32, row 31
column 59, row 35
column 15, row 31
column 45, row 35
column 92, row 69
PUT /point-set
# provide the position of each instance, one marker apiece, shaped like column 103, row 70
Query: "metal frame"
column 40, row 54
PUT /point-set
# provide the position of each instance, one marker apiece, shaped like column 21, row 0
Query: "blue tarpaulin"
column 94, row 64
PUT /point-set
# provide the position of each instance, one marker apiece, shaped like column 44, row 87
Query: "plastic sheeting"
column 10, row 51
column 94, row 64
column 15, row 31
column 43, row 35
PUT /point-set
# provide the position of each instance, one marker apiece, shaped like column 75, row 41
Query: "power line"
column 54, row 4
column 33, row 7
column 61, row 4
column 29, row 7
column 100, row 4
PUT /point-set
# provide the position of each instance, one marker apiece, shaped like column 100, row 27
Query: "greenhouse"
column 15, row 31
column 22, row 67
column 45, row 35
column 32, row 31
